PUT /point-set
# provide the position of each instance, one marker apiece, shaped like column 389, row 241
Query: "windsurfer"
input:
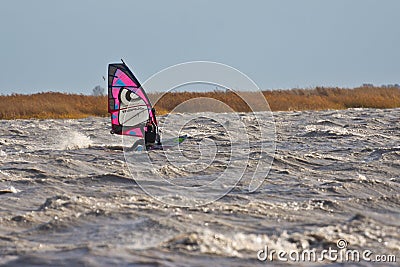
column 131, row 111
column 151, row 135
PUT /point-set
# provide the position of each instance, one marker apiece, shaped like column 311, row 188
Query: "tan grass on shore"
column 60, row 105
column 51, row 105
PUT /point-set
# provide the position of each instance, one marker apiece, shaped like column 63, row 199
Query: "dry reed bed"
column 51, row 105
column 60, row 105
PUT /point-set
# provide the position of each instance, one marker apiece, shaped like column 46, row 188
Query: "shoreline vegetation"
column 52, row 105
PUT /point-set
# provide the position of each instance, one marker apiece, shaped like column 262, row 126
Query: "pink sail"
column 128, row 104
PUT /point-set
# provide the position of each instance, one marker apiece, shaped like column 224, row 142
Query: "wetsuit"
column 151, row 135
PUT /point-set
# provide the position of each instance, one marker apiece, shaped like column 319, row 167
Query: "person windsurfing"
column 151, row 133
column 131, row 112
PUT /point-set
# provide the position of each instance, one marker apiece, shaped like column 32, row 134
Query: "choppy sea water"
column 68, row 199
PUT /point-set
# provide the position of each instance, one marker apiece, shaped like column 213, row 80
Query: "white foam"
column 73, row 140
column 13, row 189
column 8, row 189
column 334, row 130
column 4, row 173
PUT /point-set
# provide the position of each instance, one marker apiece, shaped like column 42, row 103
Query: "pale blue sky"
column 66, row 45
